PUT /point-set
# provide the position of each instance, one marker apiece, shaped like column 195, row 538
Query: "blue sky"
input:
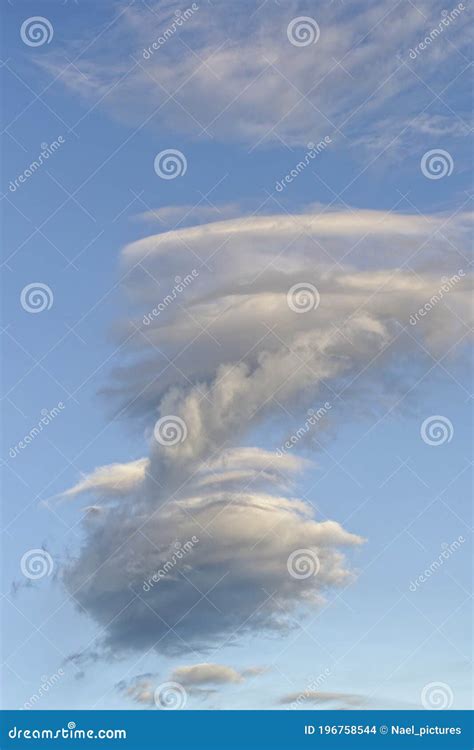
column 363, row 224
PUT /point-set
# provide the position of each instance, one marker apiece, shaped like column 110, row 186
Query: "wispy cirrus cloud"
column 228, row 77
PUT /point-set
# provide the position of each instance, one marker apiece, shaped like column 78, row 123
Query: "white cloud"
column 232, row 70
column 189, row 214
column 112, row 480
column 206, row 674
column 244, row 383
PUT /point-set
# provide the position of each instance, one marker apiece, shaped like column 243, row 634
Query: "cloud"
column 231, row 72
column 140, row 689
column 198, row 549
column 206, row 674
column 197, row 680
column 112, row 480
column 298, row 700
column 189, row 214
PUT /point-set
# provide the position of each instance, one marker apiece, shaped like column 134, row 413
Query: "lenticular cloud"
column 205, row 537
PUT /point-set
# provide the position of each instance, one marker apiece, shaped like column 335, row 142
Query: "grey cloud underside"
column 246, row 382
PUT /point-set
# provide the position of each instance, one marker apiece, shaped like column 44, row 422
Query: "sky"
column 236, row 384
